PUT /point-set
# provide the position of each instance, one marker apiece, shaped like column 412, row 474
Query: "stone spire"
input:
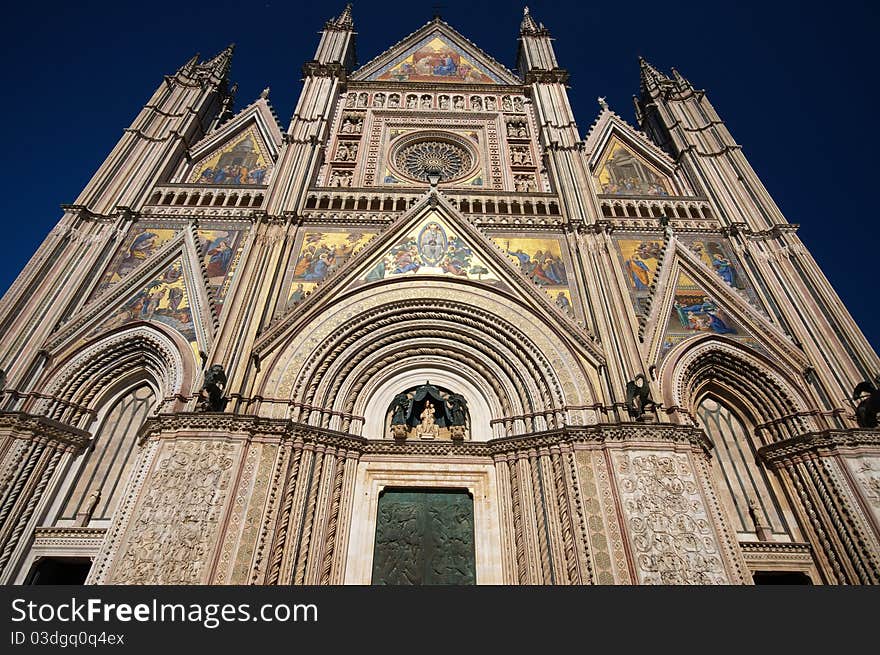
column 535, row 47
column 220, row 64
column 528, row 25
column 342, row 22
column 650, row 77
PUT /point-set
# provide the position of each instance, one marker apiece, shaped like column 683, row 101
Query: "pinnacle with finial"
column 264, row 94
column 345, row 19
column 528, row 25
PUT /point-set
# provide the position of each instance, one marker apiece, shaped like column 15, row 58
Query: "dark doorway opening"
column 60, row 570
column 781, row 577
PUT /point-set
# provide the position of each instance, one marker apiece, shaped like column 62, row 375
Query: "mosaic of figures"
column 541, row 260
column 640, row 258
column 141, row 242
column 621, row 172
column 719, row 256
column 163, row 299
column 222, row 251
column 695, row 311
column 242, row 160
column 320, row 254
column 431, row 249
column 434, row 60
column 443, row 101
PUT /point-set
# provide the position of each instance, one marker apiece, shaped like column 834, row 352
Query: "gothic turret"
column 536, row 56
column 337, row 45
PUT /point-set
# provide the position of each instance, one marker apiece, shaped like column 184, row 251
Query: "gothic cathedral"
column 432, row 333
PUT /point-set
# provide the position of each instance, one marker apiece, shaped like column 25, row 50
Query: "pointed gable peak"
column 220, row 63
column 342, row 22
column 530, row 27
column 651, row 77
column 436, row 52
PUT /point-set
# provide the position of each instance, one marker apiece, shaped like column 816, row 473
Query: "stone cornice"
column 43, row 430
column 816, row 444
column 555, row 76
column 249, row 427
column 69, row 533
column 318, row 69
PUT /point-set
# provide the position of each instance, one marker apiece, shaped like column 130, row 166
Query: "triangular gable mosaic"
column 432, row 248
column 719, row 256
column 694, row 312
column 165, row 299
column 221, row 254
column 622, row 172
column 320, row 253
column 141, row 242
column 639, row 259
column 243, row 159
column 434, row 59
column 541, row 259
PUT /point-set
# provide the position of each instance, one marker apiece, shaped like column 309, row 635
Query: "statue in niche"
column 411, row 102
column 638, row 397
column 506, row 104
column 350, row 100
column 400, row 411
column 490, row 103
column 458, row 102
column 426, row 102
column 379, row 100
column 393, row 101
column 211, row 396
column 476, row 103
column 343, row 152
column 428, row 412
column 457, row 415
column 444, row 102
column 518, row 104
column 869, row 407
column 428, row 429
column 362, row 100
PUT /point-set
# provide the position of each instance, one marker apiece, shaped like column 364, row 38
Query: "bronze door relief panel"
column 424, row 538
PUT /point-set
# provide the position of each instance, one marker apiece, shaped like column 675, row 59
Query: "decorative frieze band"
column 248, row 427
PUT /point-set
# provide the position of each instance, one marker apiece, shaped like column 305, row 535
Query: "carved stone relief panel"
column 866, row 472
column 672, row 538
column 174, row 528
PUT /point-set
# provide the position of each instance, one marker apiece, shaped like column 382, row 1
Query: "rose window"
column 424, row 159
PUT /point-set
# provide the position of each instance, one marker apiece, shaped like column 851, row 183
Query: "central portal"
column 424, row 538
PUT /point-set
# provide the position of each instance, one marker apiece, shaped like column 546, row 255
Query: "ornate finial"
column 264, row 94
column 602, row 103
column 528, row 25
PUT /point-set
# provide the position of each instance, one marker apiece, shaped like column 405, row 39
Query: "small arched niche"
column 428, row 412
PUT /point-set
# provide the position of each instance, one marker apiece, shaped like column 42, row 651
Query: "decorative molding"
column 43, row 430
column 788, row 452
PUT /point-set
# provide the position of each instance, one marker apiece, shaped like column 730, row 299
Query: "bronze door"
column 424, row 538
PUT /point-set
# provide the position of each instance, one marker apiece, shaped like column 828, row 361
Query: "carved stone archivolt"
column 315, row 368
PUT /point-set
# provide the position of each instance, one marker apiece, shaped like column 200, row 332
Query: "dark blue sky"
column 794, row 81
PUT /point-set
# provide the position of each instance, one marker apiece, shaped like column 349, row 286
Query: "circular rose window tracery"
column 424, row 158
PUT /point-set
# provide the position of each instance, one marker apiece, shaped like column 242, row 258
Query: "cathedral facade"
column 432, row 333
